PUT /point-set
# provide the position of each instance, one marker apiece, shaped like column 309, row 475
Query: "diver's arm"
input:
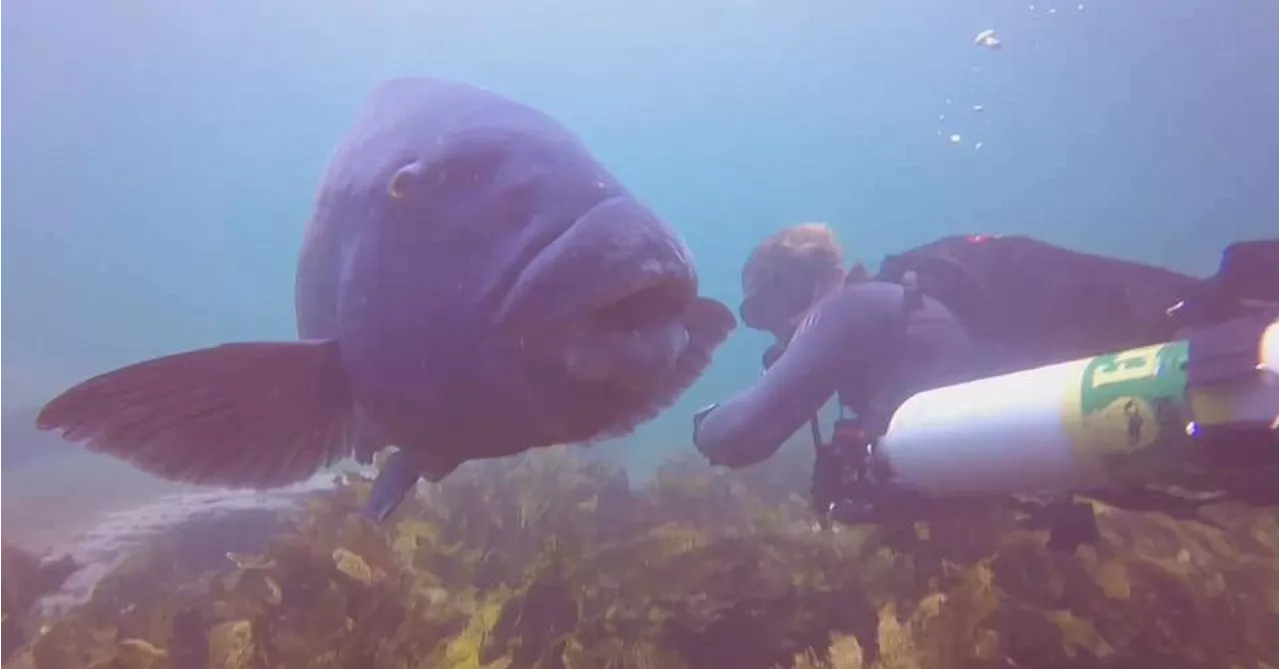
column 753, row 424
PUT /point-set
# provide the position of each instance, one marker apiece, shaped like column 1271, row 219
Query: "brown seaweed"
column 550, row 561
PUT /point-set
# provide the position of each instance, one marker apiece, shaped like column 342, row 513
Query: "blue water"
column 162, row 155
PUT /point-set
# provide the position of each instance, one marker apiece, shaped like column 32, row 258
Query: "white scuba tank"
column 1065, row 426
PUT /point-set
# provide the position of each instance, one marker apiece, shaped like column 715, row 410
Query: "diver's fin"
column 1245, row 280
column 398, row 475
column 1171, row 502
column 1071, row 524
column 239, row 415
column 1248, row 270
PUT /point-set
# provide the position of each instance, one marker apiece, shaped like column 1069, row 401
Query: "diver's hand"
column 771, row 355
column 699, row 416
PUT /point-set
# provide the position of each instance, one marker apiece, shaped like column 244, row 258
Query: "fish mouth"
column 616, row 264
column 639, row 354
column 607, row 322
column 655, row 303
column 611, row 291
column 632, row 342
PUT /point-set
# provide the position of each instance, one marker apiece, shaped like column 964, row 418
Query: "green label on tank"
column 1128, row 401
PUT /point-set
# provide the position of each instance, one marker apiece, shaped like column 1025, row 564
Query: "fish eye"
column 393, row 187
column 398, row 182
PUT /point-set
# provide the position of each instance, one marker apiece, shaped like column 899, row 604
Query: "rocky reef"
column 550, row 561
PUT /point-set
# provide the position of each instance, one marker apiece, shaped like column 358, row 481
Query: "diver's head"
column 786, row 274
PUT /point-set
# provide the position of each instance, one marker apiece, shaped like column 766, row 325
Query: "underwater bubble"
column 988, row 39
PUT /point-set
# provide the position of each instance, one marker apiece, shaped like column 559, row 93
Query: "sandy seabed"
column 46, row 505
column 96, row 510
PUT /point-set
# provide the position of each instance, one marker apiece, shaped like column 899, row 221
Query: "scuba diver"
column 977, row 365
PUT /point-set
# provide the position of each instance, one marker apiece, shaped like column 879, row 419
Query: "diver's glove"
column 699, row 416
column 771, row 356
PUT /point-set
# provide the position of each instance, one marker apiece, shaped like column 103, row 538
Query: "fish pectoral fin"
column 367, row 440
column 255, row 415
column 398, row 476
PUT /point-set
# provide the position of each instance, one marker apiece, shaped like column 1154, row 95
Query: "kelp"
column 552, row 561
column 27, row 578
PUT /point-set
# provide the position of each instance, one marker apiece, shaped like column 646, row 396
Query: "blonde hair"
column 808, row 250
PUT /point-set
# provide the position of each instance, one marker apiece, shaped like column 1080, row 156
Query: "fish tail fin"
column 246, row 415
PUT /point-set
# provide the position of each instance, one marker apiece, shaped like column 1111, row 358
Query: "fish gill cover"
column 550, row 561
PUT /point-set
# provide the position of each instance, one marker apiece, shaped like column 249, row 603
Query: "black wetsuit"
column 868, row 344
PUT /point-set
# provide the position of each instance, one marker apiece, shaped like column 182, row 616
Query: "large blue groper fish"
column 473, row 284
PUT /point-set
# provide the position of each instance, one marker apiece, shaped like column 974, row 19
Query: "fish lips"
column 618, row 265
column 640, row 393
column 609, row 299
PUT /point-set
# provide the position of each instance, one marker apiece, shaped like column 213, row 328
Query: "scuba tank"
column 1194, row 413
column 1162, row 415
